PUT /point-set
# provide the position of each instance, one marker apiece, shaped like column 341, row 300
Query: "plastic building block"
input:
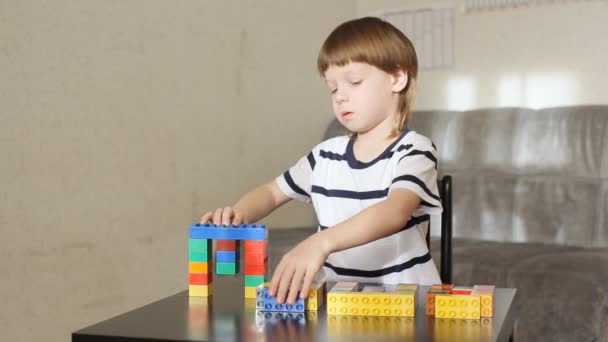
column 430, row 296
column 256, row 246
column 250, row 292
column 198, row 256
column 457, row 306
column 200, row 278
column 227, row 267
column 253, row 269
column 486, row 293
column 390, row 302
column 255, row 258
column 254, row 280
column 227, row 256
column 227, row 245
column 373, row 289
column 199, row 290
column 266, row 302
column 198, row 267
column 199, row 245
column 242, row 232
column 316, row 296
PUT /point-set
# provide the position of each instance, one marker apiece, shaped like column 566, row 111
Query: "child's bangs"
column 341, row 51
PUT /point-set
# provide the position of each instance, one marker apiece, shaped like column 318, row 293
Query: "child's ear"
column 399, row 80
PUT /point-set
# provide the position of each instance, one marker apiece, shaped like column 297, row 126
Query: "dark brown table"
column 227, row 316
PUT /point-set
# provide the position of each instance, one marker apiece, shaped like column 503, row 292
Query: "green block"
column 198, row 256
column 254, row 280
column 226, row 267
column 199, row 245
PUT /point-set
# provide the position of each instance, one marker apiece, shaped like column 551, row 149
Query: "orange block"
column 226, row 245
column 255, row 246
column 255, row 258
column 460, row 292
column 200, row 278
column 198, row 267
column 253, row 269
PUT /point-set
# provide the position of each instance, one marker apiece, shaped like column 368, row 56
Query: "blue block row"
column 227, row 256
column 266, row 302
column 223, row 232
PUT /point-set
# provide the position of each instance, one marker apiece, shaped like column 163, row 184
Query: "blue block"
column 222, row 232
column 269, row 303
column 227, row 256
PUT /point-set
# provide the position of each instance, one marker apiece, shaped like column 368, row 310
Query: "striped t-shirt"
column 340, row 186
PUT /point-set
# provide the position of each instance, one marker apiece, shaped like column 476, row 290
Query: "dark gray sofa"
column 530, row 205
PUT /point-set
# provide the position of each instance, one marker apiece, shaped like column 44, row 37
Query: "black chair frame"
column 445, row 264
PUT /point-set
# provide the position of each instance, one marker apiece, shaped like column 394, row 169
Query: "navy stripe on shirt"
column 311, row 160
column 417, row 181
column 293, row 184
column 427, row 154
column 371, row 194
column 380, row 272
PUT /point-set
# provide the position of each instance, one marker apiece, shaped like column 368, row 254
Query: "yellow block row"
column 371, row 304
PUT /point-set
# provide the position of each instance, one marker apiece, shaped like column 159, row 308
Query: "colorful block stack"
column 256, row 262
column 199, row 258
column 387, row 300
column 447, row 301
column 227, row 255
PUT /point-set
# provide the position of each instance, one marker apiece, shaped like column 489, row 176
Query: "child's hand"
column 226, row 215
column 297, row 269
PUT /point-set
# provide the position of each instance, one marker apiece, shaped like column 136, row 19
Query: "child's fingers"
column 308, row 278
column 276, row 277
column 227, row 216
column 217, row 216
column 206, row 217
column 284, row 284
column 296, row 284
column 238, row 218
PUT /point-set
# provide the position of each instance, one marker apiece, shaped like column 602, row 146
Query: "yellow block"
column 315, row 297
column 200, row 290
column 371, row 304
column 457, row 306
column 198, row 267
column 250, row 291
column 486, row 304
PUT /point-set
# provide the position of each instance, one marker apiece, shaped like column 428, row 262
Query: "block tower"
column 227, row 255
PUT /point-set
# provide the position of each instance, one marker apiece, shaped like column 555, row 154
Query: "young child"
column 373, row 191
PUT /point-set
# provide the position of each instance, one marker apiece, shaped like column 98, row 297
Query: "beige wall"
column 121, row 122
column 543, row 56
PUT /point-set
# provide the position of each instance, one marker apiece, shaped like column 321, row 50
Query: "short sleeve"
column 416, row 170
column 296, row 182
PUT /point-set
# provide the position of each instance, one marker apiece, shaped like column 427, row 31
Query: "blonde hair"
column 376, row 42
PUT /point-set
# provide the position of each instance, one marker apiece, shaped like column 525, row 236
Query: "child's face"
column 363, row 96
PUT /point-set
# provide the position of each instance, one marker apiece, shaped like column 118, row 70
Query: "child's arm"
column 296, row 270
column 252, row 207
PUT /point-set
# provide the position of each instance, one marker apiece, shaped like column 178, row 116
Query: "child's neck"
column 369, row 145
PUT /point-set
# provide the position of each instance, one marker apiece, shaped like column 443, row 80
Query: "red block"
column 200, row 278
column 226, row 245
column 255, row 258
column 255, row 246
column 253, row 269
column 461, row 292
